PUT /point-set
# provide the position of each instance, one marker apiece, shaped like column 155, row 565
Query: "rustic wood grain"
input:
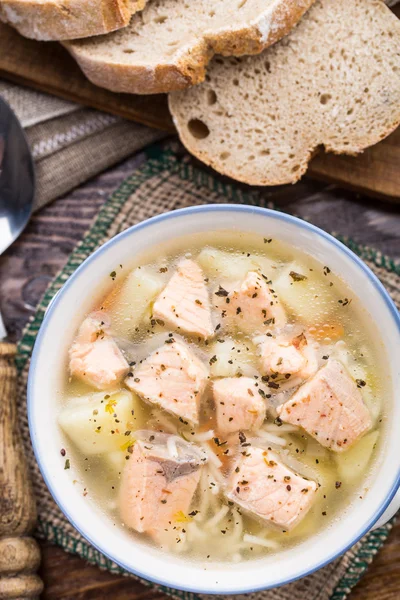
column 19, row 555
column 42, row 250
column 48, row 67
column 376, row 171
column 82, row 581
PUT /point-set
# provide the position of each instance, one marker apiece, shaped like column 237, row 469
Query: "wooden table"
column 43, row 249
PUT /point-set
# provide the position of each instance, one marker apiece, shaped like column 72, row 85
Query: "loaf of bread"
column 67, row 19
column 168, row 45
column 333, row 83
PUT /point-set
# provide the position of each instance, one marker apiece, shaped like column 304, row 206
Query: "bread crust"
column 67, row 19
column 190, row 68
column 195, row 110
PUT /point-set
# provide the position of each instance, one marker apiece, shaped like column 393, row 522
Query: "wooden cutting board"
column 48, row 67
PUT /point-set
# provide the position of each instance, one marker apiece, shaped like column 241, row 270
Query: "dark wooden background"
column 42, row 250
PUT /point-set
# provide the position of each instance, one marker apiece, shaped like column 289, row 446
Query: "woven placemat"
column 165, row 183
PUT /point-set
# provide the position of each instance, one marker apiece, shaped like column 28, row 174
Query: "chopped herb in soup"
column 224, row 397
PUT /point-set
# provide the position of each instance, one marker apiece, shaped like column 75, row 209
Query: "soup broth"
column 224, row 399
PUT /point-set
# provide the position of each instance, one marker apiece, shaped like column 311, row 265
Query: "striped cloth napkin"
column 70, row 143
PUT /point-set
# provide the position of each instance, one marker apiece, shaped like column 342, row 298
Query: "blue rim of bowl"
column 238, row 208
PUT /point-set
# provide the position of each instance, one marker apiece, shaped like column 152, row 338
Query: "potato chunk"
column 304, row 294
column 230, row 358
column 100, row 422
column 135, row 299
column 352, row 464
column 232, row 266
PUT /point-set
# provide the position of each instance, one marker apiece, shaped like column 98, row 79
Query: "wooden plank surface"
column 68, row 577
column 42, row 250
column 375, row 172
column 48, row 67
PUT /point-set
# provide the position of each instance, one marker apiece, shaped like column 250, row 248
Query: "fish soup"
column 224, row 399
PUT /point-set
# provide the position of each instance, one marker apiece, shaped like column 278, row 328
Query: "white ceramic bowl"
column 48, row 363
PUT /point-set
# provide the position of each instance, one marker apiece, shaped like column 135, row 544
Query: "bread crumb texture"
column 333, row 83
column 168, row 45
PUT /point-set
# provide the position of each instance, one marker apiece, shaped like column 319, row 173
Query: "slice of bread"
column 333, row 83
column 67, row 19
column 168, row 45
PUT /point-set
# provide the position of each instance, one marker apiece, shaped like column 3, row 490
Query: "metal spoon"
column 17, row 178
column 19, row 553
column 17, row 181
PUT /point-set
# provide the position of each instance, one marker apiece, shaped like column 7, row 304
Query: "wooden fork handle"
column 19, row 553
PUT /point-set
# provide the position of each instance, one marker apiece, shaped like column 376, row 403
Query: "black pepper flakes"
column 273, row 385
column 221, row 292
column 297, row 276
column 242, row 437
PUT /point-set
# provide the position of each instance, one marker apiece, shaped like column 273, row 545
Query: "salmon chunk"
column 184, row 303
column 173, row 378
column 253, row 305
column 283, row 355
column 268, row 490
column 158, row 482
column 94, row 356
column 238, row 404
column 329, row 407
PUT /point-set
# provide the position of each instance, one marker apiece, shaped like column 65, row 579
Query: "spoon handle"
column 19, row 554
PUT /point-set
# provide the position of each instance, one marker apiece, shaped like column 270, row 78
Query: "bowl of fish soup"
column 215, row 389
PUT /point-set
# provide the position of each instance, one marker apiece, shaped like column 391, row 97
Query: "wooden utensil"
column 19, row 553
